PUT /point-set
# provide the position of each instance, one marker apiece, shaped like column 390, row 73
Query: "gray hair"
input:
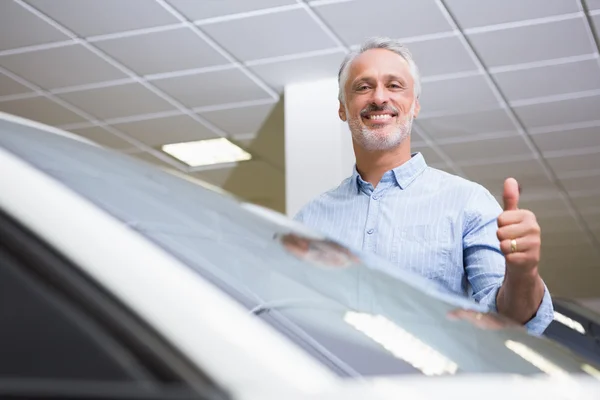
column 379, row 43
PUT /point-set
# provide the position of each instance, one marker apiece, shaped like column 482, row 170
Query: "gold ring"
column 513, row 246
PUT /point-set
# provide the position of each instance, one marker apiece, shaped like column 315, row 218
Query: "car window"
column 330, row 300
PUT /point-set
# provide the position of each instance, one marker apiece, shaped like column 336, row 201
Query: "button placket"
column 370, row 240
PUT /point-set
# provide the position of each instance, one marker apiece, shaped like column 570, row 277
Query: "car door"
column 64, row 337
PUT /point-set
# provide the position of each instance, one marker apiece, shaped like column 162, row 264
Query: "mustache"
column 374, row 108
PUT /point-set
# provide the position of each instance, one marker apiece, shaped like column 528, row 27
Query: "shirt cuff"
column 536, row 325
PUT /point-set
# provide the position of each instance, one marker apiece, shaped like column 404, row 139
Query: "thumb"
column 510, row 196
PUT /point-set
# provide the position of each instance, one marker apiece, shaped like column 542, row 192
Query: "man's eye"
column 362, row 87
column 396, row 86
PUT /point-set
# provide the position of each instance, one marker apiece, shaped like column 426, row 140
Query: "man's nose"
column 380, row 95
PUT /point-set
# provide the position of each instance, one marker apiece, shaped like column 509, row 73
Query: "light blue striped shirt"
column 438, row 225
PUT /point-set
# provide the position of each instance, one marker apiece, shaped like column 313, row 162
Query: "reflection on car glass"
column 320, row 252
column 482, row 320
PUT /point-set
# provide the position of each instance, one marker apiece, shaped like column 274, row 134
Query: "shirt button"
column 370, row 231
column 375, row 197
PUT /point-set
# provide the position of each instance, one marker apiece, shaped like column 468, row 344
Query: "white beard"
column 373, row 140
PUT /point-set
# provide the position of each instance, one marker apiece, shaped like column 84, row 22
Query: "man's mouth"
column 379, row 117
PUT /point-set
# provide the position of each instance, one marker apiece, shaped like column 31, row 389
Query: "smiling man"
column 439, row 225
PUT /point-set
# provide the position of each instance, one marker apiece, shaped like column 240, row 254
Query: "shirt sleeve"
column 484, row 261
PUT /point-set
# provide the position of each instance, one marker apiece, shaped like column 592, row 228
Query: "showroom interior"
column 511, row 91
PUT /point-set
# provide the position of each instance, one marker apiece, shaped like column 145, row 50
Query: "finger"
column 510, row 196
column 513, row 231
column 512, row 217
column 523, row 245
column 524, row 259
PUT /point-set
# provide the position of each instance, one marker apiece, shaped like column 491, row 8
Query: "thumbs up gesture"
column 518, row 232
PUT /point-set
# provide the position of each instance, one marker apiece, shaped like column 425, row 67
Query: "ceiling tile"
column 549, row 81
column 217, row 176
column 269, row 35
column 150, row 158
column 516, row 169
column 543, row 207
column 42, row 110
column 441, row 56
column 586, row 201
column 485, row 149
column 557, row 223
column 533, row 43
column 279, row 74
column 533, row 184
column 61, row 67
column 117, row 101
column 482, row 122
column 568, row 139
column 431, row 157
column 255, row 179
column 596, row 23
column 9, row 86
column 92, row 17
column 240, row 120
column 559, row 112
column 574, row 163
column 20, row 28
column 103, row 137
column 582, row 183
column 564, row 238
column 457, row 95
column 564, row 254
column 357, row 20
column 158, row 131
column 165, row 51
column 245, row 141
column 211, row 88
column 474, row 13
column 593, row 4
column 195, row 10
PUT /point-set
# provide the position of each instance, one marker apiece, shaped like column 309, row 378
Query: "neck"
column 372, row 165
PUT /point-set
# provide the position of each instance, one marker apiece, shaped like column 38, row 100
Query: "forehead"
column 378, row 62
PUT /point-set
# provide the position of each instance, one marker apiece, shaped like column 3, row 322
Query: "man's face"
column 380, row 102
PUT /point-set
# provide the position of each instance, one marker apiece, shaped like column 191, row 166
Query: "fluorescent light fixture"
column 571, row 323
column 206, row 152
column 401, row 343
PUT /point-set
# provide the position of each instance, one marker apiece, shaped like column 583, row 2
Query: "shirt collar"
column 403, row 174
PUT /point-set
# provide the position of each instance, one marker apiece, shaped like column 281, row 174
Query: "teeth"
column 380, row 117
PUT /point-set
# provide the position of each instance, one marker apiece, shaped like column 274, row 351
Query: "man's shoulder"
column 455, row 182
column 328, row 198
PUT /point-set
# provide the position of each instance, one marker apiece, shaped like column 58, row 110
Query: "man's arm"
column 516, row 292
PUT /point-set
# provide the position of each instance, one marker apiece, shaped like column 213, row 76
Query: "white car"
column 119, row 280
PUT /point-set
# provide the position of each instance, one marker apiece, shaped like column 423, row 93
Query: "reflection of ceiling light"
column 571, row 323
column 533, row 357
column 591, row 370
column 401, row 343
column 206, row 152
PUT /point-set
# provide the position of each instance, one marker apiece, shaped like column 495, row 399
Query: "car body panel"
column 171, row 238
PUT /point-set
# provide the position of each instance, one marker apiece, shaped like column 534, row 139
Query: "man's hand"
column 522, row 292
column 519, row 233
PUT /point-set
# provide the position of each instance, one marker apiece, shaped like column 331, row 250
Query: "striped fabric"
column 425, row 220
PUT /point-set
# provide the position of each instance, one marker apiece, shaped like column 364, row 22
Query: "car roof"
column 44, row 127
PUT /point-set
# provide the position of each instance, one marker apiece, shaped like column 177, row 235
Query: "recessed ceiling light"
column 206, row 152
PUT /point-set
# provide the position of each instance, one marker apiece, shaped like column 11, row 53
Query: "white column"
column 318, row 145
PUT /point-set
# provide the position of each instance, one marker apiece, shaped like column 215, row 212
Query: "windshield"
column 343, row 307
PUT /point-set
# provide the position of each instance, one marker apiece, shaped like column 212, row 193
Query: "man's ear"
column 342, row 112
column 417, row 108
